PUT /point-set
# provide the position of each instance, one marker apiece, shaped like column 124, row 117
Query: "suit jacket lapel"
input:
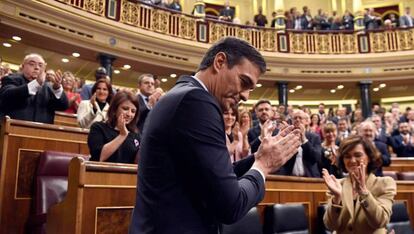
column 369, row 184
column 348, row 198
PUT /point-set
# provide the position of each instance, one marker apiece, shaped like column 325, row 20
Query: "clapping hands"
column 274, row 151
column 121, row 125
column 333, row 185
column 358, row 177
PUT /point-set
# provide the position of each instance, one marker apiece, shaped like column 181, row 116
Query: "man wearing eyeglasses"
column 26, row 96
column 186, row 182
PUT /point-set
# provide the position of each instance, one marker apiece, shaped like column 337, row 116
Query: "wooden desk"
column 21, row 143
column 65, row 119
column 100, row 199
column 401, row 164
column 311, row 192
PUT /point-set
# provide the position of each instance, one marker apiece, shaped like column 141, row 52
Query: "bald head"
column 33, row 66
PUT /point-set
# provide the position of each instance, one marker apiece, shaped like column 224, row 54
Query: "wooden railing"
column 207, row 30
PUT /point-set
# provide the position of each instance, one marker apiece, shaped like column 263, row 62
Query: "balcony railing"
column 177, row 24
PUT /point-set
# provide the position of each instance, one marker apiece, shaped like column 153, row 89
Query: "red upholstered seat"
column 392, row 174
column 51, row 184
column 406, row 175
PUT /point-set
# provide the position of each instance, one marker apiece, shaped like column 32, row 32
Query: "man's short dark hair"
column 100, row 73
column 261, row 102
column 235, row 50
column 141, row 77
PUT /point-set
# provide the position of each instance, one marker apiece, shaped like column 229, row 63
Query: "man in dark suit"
column 406, row 20
column 186, row 181
column 263, row 110
column 367, row 130
column 381, row 134
column 147, row 98
column 226, row 13
column 305, row 162
column 26, row 96
column 402, row 143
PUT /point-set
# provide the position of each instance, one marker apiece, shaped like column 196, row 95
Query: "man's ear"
column 220, row 60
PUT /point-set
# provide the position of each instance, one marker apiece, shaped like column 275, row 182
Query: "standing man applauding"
column 147, row 97
column 25, row 96
column 187, row 183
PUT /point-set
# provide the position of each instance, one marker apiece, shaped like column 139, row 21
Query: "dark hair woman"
column 95, row 109
column 117, row 139
column 361, row 200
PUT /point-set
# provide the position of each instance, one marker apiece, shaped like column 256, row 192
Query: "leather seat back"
column 51, row 184
column 400, row 221
column 285, row 219
column 249, row 224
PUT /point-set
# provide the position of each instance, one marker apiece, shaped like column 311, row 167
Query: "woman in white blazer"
column 95, row 109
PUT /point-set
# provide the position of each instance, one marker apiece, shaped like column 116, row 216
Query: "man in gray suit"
column 406, row 20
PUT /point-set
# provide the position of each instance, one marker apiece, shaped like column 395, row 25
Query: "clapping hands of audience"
column 41, row 77
column 267, row 129
column 333, row 185
column 153, row 98
column 121, row 125
column 358, row 178
column 235, row 131
column 55, row 79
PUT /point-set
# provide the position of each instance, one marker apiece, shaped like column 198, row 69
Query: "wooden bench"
column 401, row 164
column 66, row 119
column 311, row 192
column 100, row 199
column 21, row 144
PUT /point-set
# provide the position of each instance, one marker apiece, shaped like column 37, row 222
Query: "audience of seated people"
column 117, row 139
column 389, row 130
column 96, row 108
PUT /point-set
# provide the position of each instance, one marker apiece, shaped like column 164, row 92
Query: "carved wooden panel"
column 113, row 220
column 26, row 169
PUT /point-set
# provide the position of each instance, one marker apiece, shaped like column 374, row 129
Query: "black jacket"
column 16, row 102
column 187, row 183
